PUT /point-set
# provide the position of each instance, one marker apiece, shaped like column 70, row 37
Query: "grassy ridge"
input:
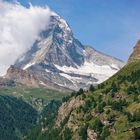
column 38, row 97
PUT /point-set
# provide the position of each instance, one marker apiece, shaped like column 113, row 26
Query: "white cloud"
column 19, row 28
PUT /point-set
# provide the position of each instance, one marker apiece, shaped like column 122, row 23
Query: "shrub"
column 96, row 125
column 67, row 134
column 91, row 88
column 105, row 133
column 81, row 91
column 83, row 132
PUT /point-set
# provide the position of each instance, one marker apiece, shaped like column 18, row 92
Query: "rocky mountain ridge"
column 135, row 56
column 30, row 79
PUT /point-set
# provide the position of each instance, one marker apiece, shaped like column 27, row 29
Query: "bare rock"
column 91, row 135
column 67, row 108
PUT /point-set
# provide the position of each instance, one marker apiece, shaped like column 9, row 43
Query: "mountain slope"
column 110, row 111
column 63, row 60
column 136, row 53
column 30, row 79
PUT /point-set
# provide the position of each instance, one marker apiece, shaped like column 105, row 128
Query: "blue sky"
column 110, row 26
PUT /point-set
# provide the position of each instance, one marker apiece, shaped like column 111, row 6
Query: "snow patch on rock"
column 28, row 65
column 88, row 69
column 73, row 79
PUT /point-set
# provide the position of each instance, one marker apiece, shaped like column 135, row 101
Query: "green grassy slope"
column 111, row 111
column 38, row 97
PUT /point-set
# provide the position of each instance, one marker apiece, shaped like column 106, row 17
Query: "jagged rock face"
column 99, row 58
column 66, row 108
column 30, row 79
column 135, row 56
column 63, row 60
column 57, row 45
column 7, row 83
column 21, row 76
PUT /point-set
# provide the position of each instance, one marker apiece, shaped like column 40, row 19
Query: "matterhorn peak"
column 64, row 60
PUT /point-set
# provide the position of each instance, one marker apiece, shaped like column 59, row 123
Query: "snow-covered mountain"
column 60, row 58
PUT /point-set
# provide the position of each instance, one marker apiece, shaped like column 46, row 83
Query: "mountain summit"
column 62, row 59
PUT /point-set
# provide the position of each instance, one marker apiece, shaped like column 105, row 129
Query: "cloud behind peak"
column 19, row 28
